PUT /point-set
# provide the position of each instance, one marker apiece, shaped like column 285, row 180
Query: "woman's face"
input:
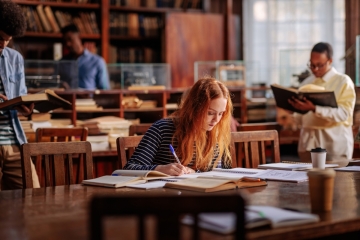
column 215, row 112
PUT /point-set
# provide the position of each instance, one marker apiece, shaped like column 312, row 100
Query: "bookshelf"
column 96, row 19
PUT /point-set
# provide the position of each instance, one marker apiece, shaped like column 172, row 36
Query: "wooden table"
column 62, row 212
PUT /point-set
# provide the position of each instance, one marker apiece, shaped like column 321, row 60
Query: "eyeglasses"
column 319, row 66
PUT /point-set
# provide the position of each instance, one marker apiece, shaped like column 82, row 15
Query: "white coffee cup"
column 318, row 158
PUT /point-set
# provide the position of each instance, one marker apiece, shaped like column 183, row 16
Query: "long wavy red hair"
column 189, row 120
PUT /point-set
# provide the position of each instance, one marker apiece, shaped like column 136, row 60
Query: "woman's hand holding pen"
column 173, row 169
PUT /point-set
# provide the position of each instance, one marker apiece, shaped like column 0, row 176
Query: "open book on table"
column 276, row 175
column 292, row 166
column 143, row 174
column 113, row 181
column 214, row 184
column 45, row 101
column 255, row 216
column 123, row 178
column 317, row 97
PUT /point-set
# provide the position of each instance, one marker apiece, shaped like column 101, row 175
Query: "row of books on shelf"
column 133, row 24
column 158, row 3
column 133, row 55
column 43, row 19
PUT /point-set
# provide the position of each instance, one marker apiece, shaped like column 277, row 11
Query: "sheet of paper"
column 349, row 169
column 282, row 175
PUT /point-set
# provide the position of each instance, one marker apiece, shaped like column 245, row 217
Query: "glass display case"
column 357, row 61
column 293, row 67
column 204, row 68
column 139, row 76
column 40, row 74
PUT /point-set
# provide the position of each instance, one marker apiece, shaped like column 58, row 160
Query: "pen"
column 173, row 152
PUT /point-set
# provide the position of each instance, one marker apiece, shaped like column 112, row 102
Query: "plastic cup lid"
column 318, row 150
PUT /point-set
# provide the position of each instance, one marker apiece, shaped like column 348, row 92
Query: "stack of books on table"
column 87, row 104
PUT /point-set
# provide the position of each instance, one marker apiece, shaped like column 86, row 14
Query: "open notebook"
column 275, row 175
column 255, row 216
column 292, row 166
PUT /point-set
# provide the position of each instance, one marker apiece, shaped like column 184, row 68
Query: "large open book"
column 45, row 101
column 113, row 181
column 317, row 97
column 122, row 178
column 255, row 216
column 213, row 184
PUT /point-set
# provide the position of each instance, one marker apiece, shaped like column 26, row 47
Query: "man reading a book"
column 326, row 127
column 93, row 72
column 12, row 84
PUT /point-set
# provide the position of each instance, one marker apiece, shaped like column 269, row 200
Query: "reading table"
column 62, row 212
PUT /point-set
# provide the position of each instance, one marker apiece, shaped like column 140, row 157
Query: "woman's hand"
column 25, row 110
column 173, row 169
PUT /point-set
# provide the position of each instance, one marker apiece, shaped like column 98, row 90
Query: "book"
column 40, row 117
column 143, row 174
column 282, row 175
column 292, row 166
column 113, row 181
column 275, row 175
column 212, row 184
column 255, row 216
column 349, row 169
column 45, row 101
column 43, row 19
column 50, row 16
column 317, row 97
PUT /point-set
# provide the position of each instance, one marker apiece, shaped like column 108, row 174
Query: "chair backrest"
column 57, row 158
column 60, row 134
column 139, row 129
column 248, row 148
column 259, row 126
column 167, row 211
column 126, row 147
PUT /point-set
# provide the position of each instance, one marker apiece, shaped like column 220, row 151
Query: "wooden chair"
column 167, row 210
column 58, row 161
column 259, row 126
column 248, row 148
column 126, row 147
column 61, row 135
column 139, row 129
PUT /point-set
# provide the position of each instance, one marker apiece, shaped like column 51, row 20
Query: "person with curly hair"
column 12, row 85
column 199, row 131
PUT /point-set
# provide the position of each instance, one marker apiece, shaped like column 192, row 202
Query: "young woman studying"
column 202, row 127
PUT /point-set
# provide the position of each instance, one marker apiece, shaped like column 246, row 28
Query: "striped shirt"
column 153, row 150
column 7, row 134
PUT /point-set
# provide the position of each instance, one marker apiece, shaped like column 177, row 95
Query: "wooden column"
column 352, row 29
column 104, row 20
column 228, row 30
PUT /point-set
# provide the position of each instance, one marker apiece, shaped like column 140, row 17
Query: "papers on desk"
column 292, row 166
column 276, row 175
column 255, row 216
column 349, row 169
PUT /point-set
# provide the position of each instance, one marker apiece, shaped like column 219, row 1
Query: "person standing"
column 326, row 127
column 93, row 72
column 12, row 84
